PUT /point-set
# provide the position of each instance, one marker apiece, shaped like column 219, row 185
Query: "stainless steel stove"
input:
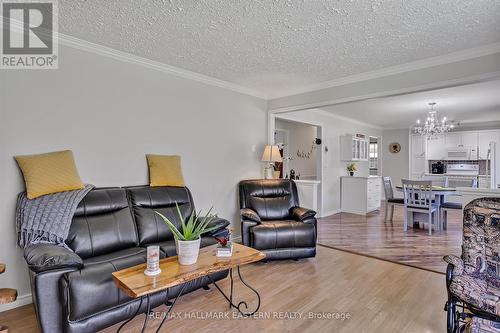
column 462, row 170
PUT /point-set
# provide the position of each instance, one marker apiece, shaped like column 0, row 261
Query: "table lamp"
column 271, row 154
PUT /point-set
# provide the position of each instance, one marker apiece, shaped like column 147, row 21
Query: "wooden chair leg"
column 441, row 219
column 386, row 211
column 430, row 215
column 445, row 219
column 392, row 212
column 405, row 224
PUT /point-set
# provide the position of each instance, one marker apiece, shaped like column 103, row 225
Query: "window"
column 373, row 155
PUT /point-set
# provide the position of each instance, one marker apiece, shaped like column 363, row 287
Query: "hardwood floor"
column 371, row 235
column 379, row 296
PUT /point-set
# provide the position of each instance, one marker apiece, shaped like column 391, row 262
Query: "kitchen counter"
column 452, row 175
column 307, row 181
column 468, row 194
column 360, row 195
column 362, row 177
column 308, row 191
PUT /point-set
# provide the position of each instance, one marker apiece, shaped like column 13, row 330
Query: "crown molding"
column 87, row 46
column 351, row 120
column 388, row 93
column 398, row 69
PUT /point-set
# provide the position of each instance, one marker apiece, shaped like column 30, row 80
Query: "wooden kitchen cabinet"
column 417, row 157
column 360, row 195
column 452, row 140
column 436, row 149
column 353, row 148
column 468, row 139
column 461, row 139
column 485, row 137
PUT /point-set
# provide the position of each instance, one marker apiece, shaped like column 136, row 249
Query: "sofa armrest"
column 302, row 214
column 221, row 227
column 456, row 262
column 43, row 257
column 246, row 227
column 249, row 214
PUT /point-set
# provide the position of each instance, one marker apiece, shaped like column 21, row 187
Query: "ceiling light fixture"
column 432, row 125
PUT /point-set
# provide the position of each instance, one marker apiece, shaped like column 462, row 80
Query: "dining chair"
column 446, row 206
column 436, row 181
column 418, row 199
column 455, row 182
column 390, row 200
column 444, row 209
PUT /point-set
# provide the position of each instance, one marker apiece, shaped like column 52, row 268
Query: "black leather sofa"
column 273, row 222
column 73, row 291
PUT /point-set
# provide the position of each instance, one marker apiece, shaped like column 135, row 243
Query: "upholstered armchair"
column 272, row 220
column 473, row 281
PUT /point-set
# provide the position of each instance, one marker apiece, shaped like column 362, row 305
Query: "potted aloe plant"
column 187, row 240
column 351, row 168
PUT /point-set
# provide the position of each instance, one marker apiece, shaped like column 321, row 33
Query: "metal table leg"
column 130, row 319
column 148, row 301
column 171, row 306
column 230, row 298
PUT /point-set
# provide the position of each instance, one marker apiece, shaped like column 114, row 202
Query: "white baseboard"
column 21, row 300
column 330, row 212
column 237, row 239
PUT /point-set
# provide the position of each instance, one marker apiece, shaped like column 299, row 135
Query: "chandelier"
column 432, row 125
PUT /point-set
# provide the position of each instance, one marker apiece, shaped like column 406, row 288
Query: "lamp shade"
column 272, row 154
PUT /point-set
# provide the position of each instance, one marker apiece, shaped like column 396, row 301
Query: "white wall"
column 300, row 138
column 111, row 113
column 332, row 127
column 396, row 166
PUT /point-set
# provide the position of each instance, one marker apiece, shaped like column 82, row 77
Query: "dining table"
column 439, row 192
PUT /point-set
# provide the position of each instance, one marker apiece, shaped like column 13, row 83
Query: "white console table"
column 308, row 193
column 360, row 195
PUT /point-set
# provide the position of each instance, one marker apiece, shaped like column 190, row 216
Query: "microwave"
column 462, row 153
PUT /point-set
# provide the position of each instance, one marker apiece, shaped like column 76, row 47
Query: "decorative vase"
column 351, row 173
column 153, row 261
column 187, row 251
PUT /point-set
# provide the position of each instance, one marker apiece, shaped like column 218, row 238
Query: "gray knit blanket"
column 47, row 219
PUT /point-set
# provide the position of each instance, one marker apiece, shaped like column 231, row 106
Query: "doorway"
column 301, row 147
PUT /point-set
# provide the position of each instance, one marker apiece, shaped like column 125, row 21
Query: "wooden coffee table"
column 136, row 284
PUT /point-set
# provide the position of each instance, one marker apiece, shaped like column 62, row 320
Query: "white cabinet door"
column 484, row 141
column 452, row 140
column 418, row 145
column 436, row 149
column 468, row 139
column 364, row 150
column 418, row 165
column 418, row 161
column 357, row 149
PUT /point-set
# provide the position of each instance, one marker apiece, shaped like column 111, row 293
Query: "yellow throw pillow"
column 165, row 170
column 49, row 173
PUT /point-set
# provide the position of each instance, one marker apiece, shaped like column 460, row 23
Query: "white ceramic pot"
column 187, row 251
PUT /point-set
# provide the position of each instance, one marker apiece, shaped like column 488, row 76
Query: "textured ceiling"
column 474, row 103
column 275, row 46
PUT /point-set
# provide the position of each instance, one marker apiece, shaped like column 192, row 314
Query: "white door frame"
column 320, row 134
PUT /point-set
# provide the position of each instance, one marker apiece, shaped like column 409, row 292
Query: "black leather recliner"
column 73, row 291
column 273, row 222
